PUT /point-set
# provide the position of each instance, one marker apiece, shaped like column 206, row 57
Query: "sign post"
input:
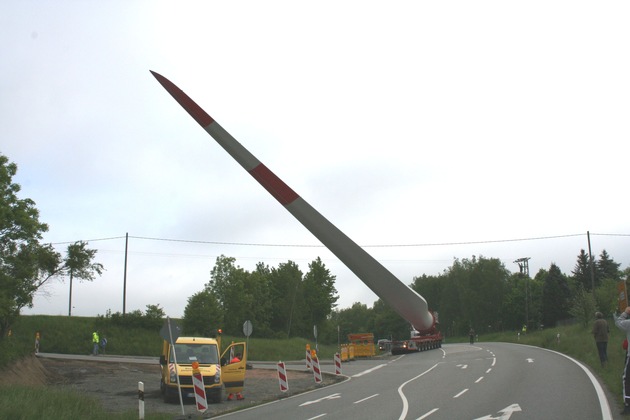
column 248, row 329
column 170, row 331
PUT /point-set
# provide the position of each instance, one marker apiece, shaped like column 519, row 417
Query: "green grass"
column 73, row 335
column 45, row 403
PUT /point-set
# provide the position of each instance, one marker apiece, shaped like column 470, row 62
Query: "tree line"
column 478, row 293
column 281, row 301
column 285, row 302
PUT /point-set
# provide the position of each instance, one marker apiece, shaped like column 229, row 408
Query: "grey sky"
column 401, row 122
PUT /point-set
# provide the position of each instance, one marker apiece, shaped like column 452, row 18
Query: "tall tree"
column 582, row 271
column 286, row 295
column 387, row 323
column 514, row 311
column 220, row 277
column 476, row 288
column 356, row 319
column 203, row 315
column 229, row 284
column 256, row 300
column 25, row 264
column 79, row 263
column 320, row 294
column 556, row 296
column 582, row 305
column 607, row 268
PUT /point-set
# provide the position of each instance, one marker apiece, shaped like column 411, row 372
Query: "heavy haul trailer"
column 401, row 298
column 419, row 341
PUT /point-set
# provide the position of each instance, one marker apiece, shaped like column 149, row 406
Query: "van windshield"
column 205, row 354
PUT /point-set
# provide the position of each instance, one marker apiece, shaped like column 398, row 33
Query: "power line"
column 416, row 245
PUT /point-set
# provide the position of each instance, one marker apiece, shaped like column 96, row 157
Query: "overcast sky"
column 426, row 131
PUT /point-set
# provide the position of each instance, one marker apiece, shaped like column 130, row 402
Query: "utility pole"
column 523, row 265
column 125, row 275
column 590, row 261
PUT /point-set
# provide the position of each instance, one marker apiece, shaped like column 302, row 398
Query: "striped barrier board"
column 282, row 377
column 337, row 364
column 317, row 373
column 200, row 390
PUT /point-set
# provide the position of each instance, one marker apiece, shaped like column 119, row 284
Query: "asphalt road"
column 484, row 381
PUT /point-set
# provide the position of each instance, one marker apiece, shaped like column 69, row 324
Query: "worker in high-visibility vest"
column 239, row 396
column 95, row 340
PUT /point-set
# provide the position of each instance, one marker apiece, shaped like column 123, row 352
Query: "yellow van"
column 218, row 373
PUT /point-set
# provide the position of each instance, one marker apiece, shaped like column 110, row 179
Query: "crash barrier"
column 347, row 352
column 363, row 344
column 337, row 364
column 343, row 352
column 141, row 400
column 282, row 377
column 200, row 390
column 317, row 372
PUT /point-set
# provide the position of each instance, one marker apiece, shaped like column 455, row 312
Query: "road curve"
column 484, row 381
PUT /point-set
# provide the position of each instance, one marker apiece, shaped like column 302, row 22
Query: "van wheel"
column 165, row 397
column 214, row 396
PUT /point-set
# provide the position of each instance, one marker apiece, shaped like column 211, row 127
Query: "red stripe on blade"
column 184, row 100
column 276, row 187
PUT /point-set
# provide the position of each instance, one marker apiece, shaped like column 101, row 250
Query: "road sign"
column 172, row 335
column 248, row 328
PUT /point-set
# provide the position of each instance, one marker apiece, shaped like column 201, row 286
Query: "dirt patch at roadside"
column 115, row 384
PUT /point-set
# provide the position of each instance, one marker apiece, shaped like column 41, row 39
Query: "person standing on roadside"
column 600, row 332
column 37, row 338
column 236, row 359
column 623, row 323
column 95, row 341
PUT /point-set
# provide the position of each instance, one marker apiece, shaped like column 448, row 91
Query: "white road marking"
column 365, row 399
column 506, row 413
column 316, row 417
column 368, row 371
column 428, row 414
column 330, row 397
column 461, row 393
column 479, row 380
column 402, row 396
column 530, row 360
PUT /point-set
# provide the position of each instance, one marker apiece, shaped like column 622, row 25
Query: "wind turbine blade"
column 404, row 300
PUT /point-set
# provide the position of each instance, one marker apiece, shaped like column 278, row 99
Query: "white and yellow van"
column 219, row 373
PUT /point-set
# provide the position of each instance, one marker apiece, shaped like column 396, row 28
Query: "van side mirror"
column 223, row 361
column 162, row 360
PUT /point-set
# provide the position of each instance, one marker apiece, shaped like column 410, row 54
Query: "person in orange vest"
column 239, row 396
